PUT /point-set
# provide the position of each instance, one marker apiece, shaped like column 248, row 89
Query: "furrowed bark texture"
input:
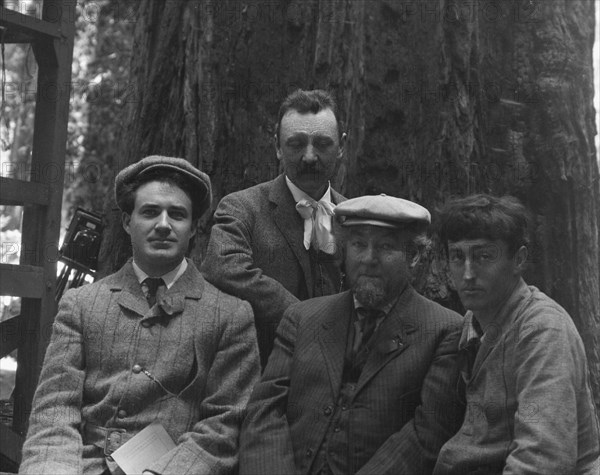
column 439, row 98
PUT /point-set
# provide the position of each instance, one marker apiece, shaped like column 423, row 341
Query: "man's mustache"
column 308, row 169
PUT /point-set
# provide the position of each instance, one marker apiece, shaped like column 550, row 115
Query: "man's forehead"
column 297, row 122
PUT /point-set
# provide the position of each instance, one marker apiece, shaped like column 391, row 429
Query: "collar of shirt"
column 385, row 309
column 299, row 194
column 169, row 278
column 472, row 333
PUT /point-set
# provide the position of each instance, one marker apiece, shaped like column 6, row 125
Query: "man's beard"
column 370, row 292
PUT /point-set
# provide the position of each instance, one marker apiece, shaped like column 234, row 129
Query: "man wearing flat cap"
column 362, row 382
column 272, row 244
column 153, row 347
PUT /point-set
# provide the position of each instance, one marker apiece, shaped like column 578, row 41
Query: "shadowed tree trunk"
column 439, row 98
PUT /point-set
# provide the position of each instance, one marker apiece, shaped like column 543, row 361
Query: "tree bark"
column 438, row 97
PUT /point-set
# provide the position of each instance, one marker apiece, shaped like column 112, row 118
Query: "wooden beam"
column 11, row 335
column 11, row 444
column 20, row 192
column 41, row 224
column 22, row 28
column 22, row 280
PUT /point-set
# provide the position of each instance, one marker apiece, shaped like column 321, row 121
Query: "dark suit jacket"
column 204, row 354
column 256, row 253
column 405, row 405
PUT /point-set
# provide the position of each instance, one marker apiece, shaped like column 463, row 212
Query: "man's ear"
column 125, row 220
column 342, row 145
column 276, row 145
column 520, row 259
column 194, row 227
column 414, row 260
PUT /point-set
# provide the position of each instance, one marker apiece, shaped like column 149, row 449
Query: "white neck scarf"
column 317, row 218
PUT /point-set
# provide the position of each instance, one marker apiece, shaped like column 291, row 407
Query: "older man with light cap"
column 362, row 382
column 149, row 369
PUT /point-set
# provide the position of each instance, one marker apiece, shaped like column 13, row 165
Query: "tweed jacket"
column 256, row 253
column 404, row 407
column 529, row 404
column 201, row 348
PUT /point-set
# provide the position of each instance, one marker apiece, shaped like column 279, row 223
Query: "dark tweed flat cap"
column 381, row 210
column 199, row 180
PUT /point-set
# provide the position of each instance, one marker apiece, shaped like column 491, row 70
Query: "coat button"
column 337, row 429
column 327, row 411
column 344, row 407
column 146, row 324
column 309, row 452
column 122, row 413
column 136, row 368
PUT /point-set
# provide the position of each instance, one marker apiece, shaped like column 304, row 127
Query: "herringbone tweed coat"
column 256, row 253
column 204, row 354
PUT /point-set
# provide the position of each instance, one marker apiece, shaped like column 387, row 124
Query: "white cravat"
column 317, row 224
column 317, row 219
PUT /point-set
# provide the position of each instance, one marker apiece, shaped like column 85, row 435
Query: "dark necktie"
column 367, row 325
column 153, row 283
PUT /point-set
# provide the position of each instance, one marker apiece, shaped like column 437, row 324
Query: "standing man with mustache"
column 529, row 404
column 271, row 244
column 362, row 382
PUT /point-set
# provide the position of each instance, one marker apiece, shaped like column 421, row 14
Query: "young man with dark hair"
column 529, row 408
column 153, row 344
column 272, row 244
column 362, row 382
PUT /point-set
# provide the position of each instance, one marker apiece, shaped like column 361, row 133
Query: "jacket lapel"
column 501, row 324
column 336, row 198
column 131, row 297
column 394, row 335
column 291, row 225
column 333, row 337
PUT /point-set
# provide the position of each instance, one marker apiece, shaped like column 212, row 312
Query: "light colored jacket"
column 204, row 354
column 529, row 404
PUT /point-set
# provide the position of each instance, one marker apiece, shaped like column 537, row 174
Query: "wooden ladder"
column 34, row 279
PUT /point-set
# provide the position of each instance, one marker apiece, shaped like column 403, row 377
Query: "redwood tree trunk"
column 439, row 98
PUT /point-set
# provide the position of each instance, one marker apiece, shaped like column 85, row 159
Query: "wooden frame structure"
column 34, row 279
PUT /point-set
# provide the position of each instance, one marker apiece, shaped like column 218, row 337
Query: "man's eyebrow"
column 178, row 207
column 297, row 135
column 456, row 247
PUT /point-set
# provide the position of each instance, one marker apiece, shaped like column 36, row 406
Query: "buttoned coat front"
column 106, row 347
column 256, row 253
column 404, row 407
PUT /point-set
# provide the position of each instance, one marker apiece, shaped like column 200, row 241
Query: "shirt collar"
column 504, row 316
column 385, row 308
column 169, row 278
column 472, row 333
column 299, row 194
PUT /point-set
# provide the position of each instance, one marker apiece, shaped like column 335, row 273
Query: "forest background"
column 439, row 98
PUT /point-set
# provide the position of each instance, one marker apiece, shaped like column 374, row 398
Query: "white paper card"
column 138, row 453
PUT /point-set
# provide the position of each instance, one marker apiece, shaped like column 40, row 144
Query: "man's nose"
column 369, row 255
column 469, row 272
column 310, row 154
column 163, row 223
